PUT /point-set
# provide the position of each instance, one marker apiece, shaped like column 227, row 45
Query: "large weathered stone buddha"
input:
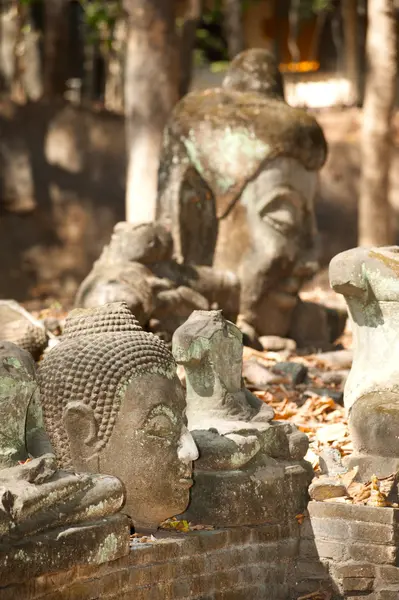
column 369, row 280
column 113, row 404
column 250, row 469
column 137, row 268
column 237, row 182
column 34, row 495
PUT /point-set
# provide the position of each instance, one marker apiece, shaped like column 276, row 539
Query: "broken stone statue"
column 35, row 497
column 21, row 328
column 113, row 403
column 237, row 182
column 369, row 280
column 137, row 268
column 250, row 469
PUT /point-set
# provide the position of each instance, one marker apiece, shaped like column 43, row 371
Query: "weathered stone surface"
column 20, row 328
column 113, row 403
column 369, row 281
column 324, row 488
column 250, row 470
column 61, row 549
column 137, row 268
column 250, row 161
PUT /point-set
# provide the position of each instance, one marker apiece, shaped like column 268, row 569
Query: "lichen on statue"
column 113, row 404
column 238, row 169
column 251, row 469
column 35, row 496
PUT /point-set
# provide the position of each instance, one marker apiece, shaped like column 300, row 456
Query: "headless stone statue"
column 250, row 469
column 369, row 280
column 34, row 495
column 237, row 180
column 113, row 404
column 137, row 268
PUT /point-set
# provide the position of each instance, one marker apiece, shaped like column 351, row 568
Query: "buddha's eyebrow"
column 162, row 409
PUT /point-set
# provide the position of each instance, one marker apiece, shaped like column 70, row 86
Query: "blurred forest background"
column 86, row 87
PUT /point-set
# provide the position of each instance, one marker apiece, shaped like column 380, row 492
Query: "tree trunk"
column 56, row 30
column 114, row 76
column 293, row 20
column 375, row 212
column 9, row 24
column 233, row 27
column 349, row 17
column 187, row 44
column 151, row 90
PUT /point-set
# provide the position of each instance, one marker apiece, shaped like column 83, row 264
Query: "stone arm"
column 224, row 452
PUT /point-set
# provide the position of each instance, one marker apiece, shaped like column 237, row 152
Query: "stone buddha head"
column 368, row 278
column 113, row 404
column 257, row 158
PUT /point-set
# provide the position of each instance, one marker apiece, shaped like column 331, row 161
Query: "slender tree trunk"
column 187, row 44
column 56, row 30
column 233, row 27
column 8, row 43
column 114, row 76
column 375, row 212
column 151, row 90
column 293, row 20
column 349, row 16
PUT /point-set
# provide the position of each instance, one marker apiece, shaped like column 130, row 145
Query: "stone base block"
column 60, row 549
column 273, row 494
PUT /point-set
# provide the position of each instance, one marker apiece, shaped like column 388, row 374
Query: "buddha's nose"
column 187, row 450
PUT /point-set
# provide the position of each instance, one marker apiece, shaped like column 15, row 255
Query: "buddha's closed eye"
column 283, row 213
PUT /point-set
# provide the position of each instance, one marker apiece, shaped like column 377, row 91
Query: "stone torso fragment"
column 368, row 278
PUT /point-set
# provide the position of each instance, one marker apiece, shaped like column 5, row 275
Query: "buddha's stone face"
column 152, row 450
column 282, row 252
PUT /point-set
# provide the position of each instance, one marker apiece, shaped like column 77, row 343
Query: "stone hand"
column 36, row 471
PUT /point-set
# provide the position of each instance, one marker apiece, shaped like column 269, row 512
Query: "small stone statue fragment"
column 368, row 278
column 250, row 469
column 113, row 404
column 237, row 182
column 34, row 495
column 19, row 327
column 138, row 268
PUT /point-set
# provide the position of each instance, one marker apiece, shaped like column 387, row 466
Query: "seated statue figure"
column 112, row 403
column 369, row 280
column 137, row 268
column 34, row 495
column 250, row 469
column 237, row 182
